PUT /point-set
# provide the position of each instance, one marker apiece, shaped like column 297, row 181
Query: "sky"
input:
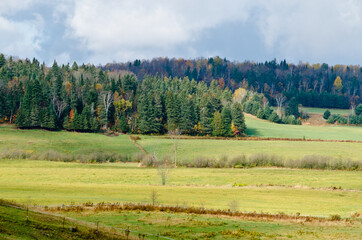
column 106, row 31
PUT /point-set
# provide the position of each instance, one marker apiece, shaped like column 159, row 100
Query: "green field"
column 313, row 110
column 17, row 223
column 54, row 183
column 344, row 112
column 40, row 141
column 219, row 227
column 268, row 190
column 189, row 149
column 263, row 128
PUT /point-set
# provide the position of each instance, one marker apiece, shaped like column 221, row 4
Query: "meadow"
column 219, row 227
column 260, row 189
column 263, row 128
column 344, row 112
column 269, row 190
column 189, row 149
column 40, row 141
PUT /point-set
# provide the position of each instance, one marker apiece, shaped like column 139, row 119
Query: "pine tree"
column 206, row 121
column 186, row 123
column 292, row 108
column 238, row 119
column 217, row 125
column 226, row 121
column 123, row 124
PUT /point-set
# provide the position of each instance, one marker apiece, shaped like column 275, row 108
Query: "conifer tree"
column 238, row 119
column 217, row 124
column 226, row 121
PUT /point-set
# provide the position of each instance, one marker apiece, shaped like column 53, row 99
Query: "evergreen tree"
column 292, row 108
column 123, row 124
column 217, row 125
column 226, row 121
column 238, row 119
column 186, row 123
column 206, row 121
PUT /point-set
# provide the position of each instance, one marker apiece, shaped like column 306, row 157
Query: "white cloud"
column 315, row 30
column 103, row 31
column 20, row 38
column 124, row 29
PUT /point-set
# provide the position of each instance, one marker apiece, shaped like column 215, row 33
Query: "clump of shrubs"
column 51, row 155
column 265, row 160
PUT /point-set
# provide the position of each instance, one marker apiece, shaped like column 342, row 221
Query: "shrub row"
column 264, row 160
column 52, row 155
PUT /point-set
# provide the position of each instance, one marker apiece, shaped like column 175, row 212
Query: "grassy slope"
column 57, row 183
column 40, row 141
column 13, row 225
column 216, row 227
column 262, row 128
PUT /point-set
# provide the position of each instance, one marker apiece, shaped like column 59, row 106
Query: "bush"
column 326, row 114
column 358, row 109
column 335, row 217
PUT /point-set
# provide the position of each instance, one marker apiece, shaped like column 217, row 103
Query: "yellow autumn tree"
column 239, row 95
column 338, row 84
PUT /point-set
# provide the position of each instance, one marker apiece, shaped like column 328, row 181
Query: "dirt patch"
column 315, row 119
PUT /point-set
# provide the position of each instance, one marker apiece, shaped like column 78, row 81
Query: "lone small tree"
column 233, row 205
column 153, row 196
column 175, row 136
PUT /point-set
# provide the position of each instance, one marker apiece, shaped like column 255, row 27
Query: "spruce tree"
column 238, row 119
column 217, row 125
column 206, row 121
column 226, row 121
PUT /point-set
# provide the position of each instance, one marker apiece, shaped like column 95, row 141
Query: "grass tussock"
column 264, row 160
column 51, row 155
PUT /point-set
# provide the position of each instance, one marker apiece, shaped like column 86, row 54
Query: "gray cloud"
column 113, row 30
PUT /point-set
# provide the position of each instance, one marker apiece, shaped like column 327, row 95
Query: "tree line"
column 86, row 98
column 316, row 85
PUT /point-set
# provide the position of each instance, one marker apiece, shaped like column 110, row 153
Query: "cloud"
column 20, row 37
column 315, row 30
column 102, row 31
column 124, row 29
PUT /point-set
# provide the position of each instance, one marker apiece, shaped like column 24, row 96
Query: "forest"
column 149, row 98
column 313, row 85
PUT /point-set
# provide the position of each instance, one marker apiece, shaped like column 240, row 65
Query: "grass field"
column 312, row 110
column 209, row 227
column 189, row 149
column 272, row 190
column 14, row 224
column 40, row 141
column 54, row 183
column 262, row 128
column 344, row 112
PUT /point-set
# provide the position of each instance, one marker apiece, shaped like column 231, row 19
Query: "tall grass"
column 52, row 155
column 265, row 160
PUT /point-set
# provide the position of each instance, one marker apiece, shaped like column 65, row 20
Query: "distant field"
column 40, row 141
column 189, row 149
column 219, row 227
column 54, row 183
column 262, row 128
column 345, row 112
